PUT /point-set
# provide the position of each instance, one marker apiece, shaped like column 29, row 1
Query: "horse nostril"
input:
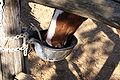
column 56, row 45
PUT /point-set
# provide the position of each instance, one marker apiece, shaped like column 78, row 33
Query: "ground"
column 95, row 57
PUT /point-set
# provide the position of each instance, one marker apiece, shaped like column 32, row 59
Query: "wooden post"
column 11, row 62
column 107, row 11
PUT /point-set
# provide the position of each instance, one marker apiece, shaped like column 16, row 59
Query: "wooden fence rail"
column 107, row 11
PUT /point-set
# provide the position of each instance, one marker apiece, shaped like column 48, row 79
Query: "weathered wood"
column 11, row 62
column 107, row 11
column 23, row 76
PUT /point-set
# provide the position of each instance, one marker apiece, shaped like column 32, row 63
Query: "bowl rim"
column 42, row 43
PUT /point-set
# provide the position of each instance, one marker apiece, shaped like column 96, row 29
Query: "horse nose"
column 57, row 45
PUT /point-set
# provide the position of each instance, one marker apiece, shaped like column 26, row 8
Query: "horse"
column 62, row 25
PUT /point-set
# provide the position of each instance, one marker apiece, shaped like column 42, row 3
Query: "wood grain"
column 106, row 11
column 11, row 62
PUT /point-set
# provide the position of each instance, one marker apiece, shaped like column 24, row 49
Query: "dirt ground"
column 95, row 57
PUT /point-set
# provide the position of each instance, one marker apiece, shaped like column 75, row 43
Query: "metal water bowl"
column 48, row 53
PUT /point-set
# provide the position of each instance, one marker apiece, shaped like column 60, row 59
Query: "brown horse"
column 62, row 25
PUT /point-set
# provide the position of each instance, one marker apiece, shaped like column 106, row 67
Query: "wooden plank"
column 23, row 76
column 0, row 68
column 11, row 62
column 107, row 11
